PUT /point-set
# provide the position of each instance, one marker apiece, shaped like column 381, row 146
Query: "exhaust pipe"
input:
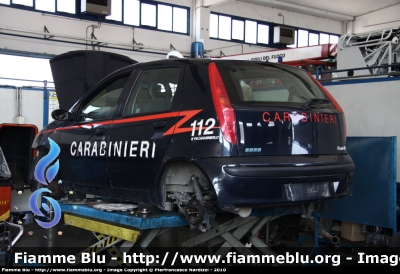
column 334, row 239
column 322, row 233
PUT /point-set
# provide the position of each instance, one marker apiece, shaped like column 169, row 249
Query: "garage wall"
column 35, row 22
column 31, row 108
column 261, row 13
column 371, row 109
column 377, row 20
column 8, row 104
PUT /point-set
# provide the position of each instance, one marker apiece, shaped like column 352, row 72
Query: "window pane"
column 323, row 38
column 46, row 5
column 255, row 83
column 66, row 6
column 23, row 2
column 251, row 32
column 313, row 39
column 103, row 105
column 263, row 34
column 148, row 15
column 214, row 25
column 131, row 12
column 180, row 20
column 333, row 39
column 164, row 15
column 116, row 11
column 224, row 28
column 295, row 41
column 153, row 92
column 237, row 29
column 5, row 2
column 303, row 38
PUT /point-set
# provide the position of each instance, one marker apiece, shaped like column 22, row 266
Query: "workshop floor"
column 66, row 236
column 74, row 240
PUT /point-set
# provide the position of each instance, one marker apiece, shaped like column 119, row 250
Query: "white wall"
column 377, row 20
column 8, row 104
column 266, row 14
column 31, row 108
column 371, row 109
column 36, row 21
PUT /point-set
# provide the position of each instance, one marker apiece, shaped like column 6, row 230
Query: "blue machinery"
column 373, row 203
column 374, row 184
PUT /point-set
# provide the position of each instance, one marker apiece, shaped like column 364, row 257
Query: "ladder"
column 378, row 48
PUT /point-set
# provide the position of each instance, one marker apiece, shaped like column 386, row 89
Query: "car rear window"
column 249, row 82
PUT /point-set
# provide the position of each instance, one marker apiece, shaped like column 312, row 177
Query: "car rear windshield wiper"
column 314, row 101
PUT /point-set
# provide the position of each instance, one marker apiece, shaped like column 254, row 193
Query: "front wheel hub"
column 194, row 212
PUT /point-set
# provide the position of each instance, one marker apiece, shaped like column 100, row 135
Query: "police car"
column 197, row 136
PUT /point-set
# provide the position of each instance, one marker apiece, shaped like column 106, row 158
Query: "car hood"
column 76, row 72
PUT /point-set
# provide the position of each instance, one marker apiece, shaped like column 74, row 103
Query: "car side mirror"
column 62, row 115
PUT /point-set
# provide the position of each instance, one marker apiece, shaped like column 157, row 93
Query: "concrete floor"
column 72, row 240
column 67, row 239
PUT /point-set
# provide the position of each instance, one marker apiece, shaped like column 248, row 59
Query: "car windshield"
column 259, row 83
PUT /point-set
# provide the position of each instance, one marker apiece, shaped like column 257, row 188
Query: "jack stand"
column 316, row 250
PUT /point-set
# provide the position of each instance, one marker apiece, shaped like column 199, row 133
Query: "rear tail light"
column 222, row 104
column 333, row 101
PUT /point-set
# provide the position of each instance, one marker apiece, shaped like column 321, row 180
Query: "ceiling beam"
column 301, row 9
column 213, row 3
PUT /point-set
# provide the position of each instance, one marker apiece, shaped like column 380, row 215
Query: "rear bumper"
column 282, row 180
column 294, row 171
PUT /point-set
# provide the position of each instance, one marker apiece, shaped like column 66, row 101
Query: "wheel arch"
column 175, row 176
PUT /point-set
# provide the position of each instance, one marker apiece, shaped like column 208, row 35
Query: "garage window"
column 224, row 27
column 237, row 30
column 23, row 2
column 139, row 13
column 250, row 31
column 149, row 15
column 116, row 11
column 67, row 6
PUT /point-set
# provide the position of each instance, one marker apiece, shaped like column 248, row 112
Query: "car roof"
column 76, row 73
column 193, row 61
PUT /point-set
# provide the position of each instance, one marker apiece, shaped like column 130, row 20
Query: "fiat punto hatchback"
column 196, row 136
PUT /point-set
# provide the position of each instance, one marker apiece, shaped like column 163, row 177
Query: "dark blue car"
column 195, row 135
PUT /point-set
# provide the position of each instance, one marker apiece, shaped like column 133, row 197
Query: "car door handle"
column 159, row 124
column 100, row 131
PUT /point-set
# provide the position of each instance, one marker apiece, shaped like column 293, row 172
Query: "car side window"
column 103, row 104
column 153, row 92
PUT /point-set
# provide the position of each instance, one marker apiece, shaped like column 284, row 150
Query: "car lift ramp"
column 138, row 230
column 244, row 228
